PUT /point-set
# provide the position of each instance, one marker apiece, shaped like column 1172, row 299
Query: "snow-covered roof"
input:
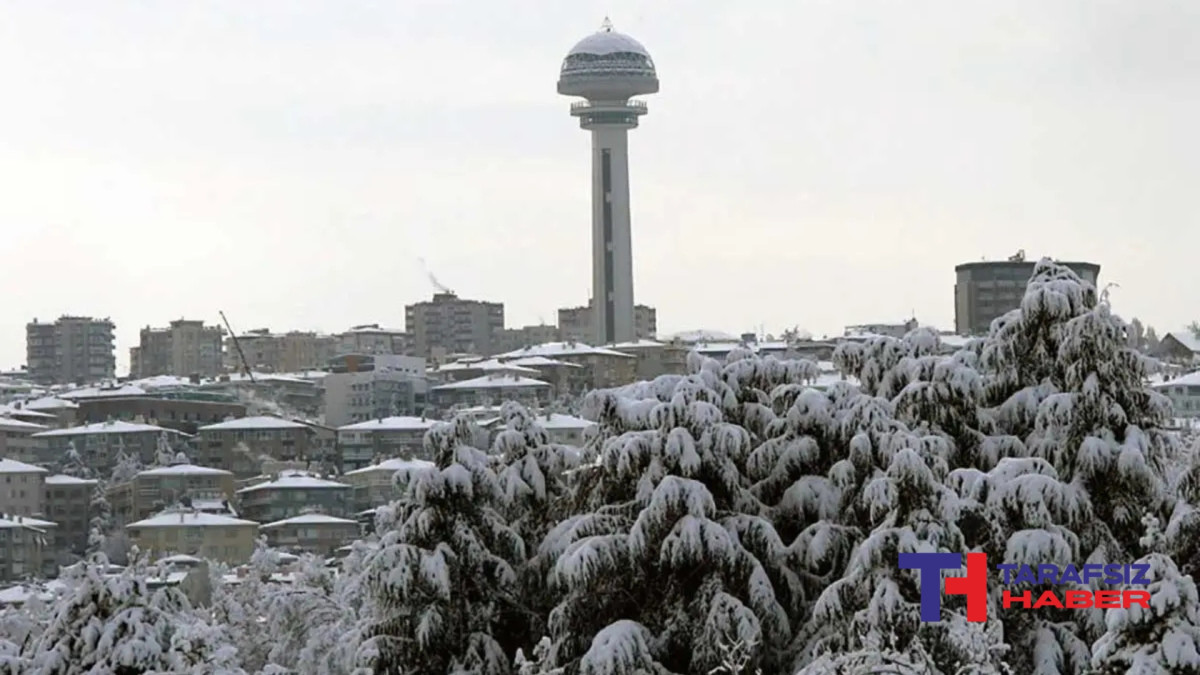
column 1190, row 379
column 608, row 42
column 291, row 480
column 180, row 559
column 560, row 421
column 13, row 466
column 10, row 521
column 13, row 411
column 703, row 335
column 495, row 382
column 393, row 465
column 312, row 519
column 49, row 403
column 373, row 328
column 559, row 349
column 398, row 423
column 11, row 424
column 184, row 470
column 543, row 362
column 486, row 365
column 636, row 344
column 63, row 479
column 189, row 519
column 162, row 382
column 104, row 391
column 261, row 422
column 1186, row 338
column 109, row 427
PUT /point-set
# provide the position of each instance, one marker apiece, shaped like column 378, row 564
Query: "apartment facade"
column 600, row 367
column 448, row 324
column 373, row 339
column 22, row 488
column 69, row 504
column 24, row 549
column 316, row 533
column 76, row 349
column 361, row 387
column 207, row 535
column 164, row 487
column 362, row 443
column 578, row 324
column 183, row 348
column 985, row 291
column 240, row 445
column 292, row 494
column 100, row 444
column 291, row 352
column 17, row 441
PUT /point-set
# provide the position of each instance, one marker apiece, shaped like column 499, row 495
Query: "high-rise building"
column 290, row 352
column 987, row 290
column 608, row 69
column 578, row 324
column 184, row 348
column 373, row 339
column 447, row 324
column 73, row 349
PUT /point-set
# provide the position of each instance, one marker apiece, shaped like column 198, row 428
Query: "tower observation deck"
column 608, row 69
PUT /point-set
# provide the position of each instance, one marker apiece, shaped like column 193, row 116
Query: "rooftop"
column 399, row 423
column 1186, row 338
column 262, row 422
column 312, row 519
column 393, row 465
column 13, row 411
column 12, row 424
column 1191, row 379
column 189, row 519
column 184, row 470
column 486, row 365
column 560, row 421
column 559, row 349
column 109, row 427
column 292, row 480
column 542, row 362
column 13, row 466
column 48, row 403
column 495, row 382
column 63, row 479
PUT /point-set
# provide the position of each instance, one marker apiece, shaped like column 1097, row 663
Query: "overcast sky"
column 810, row 163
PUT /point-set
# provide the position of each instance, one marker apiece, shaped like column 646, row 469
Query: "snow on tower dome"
column 608, row 41
column 607, row 66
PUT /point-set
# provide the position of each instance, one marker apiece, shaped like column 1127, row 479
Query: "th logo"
column 973, row 585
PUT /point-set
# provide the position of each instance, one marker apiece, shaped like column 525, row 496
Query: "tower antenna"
column 606, row 25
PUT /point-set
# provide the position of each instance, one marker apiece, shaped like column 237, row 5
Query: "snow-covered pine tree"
column 653, row 570
column 164, row 454
column 444, row 576
column 101, row 523
column 72, row 463
column 115, row 624
column 125, row 468
column 534, row 478
column 1163, row 640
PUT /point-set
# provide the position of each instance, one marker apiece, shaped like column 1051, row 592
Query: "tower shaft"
column 612, row 249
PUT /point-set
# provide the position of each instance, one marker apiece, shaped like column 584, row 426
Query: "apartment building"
column 578, row 324
column 289, row 352
column 69, row 504
column 987, row 290
column 17, row 441
column 185, row 347
column 206, row 535
column 291, row 494
column 360, row 387
column 655, row 358
column 184, row 411
column 315, row 533
column 301, row 391
column 101, row 443
column 559, row 428
column 601, row 367
column 56, row 413
column 22, row 488
column 240, row 445
column 362, row 443
column 376, row 485
column 24, row 549
column 372, row 338
column 516, row 338
column 164, row 487
column 492, row 390
column 76, row 349
column 448, row 324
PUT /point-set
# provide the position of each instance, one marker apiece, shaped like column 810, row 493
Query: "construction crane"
column 433, row 280
column 238, row 346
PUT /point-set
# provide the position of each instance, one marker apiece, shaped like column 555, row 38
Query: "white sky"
column 811, row 163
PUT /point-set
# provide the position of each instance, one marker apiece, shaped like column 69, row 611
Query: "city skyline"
column 290, row 166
